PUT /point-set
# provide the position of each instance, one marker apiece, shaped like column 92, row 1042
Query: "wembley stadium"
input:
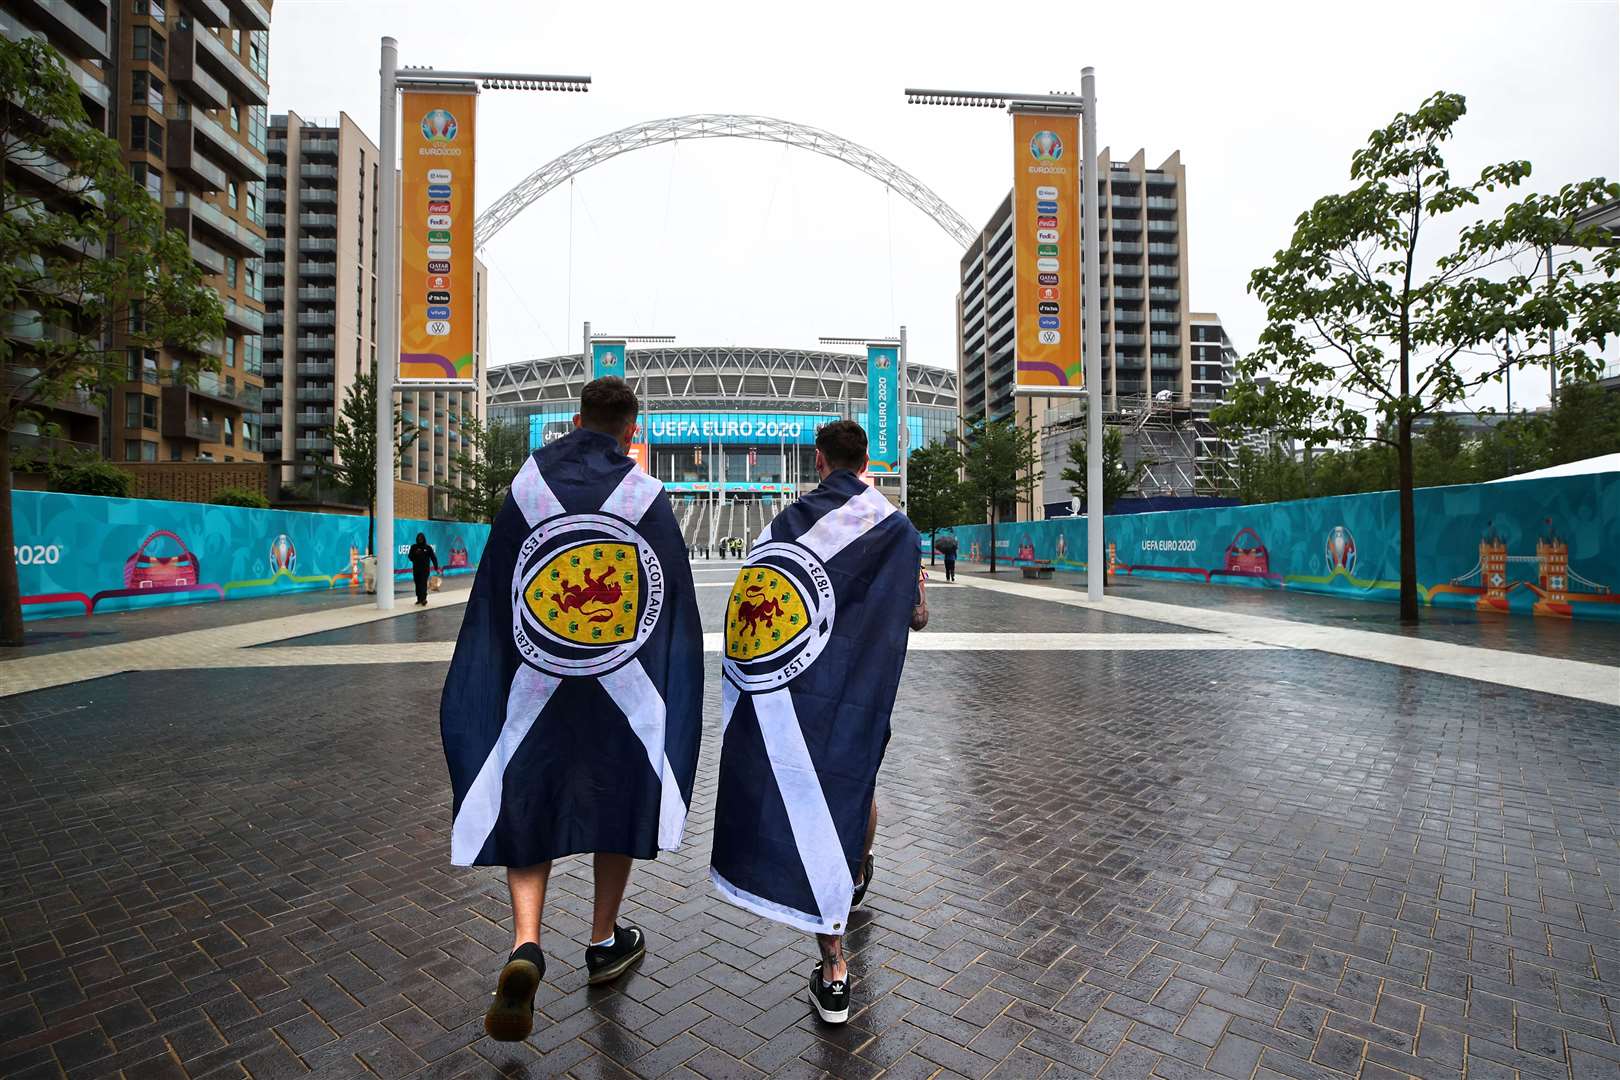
column 729, row 430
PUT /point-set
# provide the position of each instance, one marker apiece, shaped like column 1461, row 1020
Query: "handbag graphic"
column 1250, row 558
column 458, row 554
column 144, row 571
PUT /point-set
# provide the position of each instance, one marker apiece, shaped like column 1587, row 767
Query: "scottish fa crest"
column 586, row 593
column 778, row 617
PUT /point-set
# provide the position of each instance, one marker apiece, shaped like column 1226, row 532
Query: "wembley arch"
column 719, row 126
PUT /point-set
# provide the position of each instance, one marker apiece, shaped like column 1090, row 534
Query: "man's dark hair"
column 843, row 444
column 608, row 405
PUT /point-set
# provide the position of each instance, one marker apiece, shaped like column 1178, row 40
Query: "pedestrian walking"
column 946, row 546
column 423, row 561
column 572, row 710
column 815, row 638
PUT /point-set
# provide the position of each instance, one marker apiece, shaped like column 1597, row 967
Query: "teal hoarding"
column 82, row 554
column 883, row 408
column 1545, row 547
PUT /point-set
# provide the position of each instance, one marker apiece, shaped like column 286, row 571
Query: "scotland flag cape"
column 815, row 637
column 572, row 710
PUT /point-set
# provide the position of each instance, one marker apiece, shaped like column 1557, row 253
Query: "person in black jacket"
column 422, row 556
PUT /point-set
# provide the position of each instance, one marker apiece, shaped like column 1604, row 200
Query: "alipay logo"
column 439, row 126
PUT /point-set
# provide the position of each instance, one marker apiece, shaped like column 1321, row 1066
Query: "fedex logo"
column 1047, row 236
column 438, row 221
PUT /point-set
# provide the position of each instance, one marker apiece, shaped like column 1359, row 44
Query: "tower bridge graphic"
column 1556, row 585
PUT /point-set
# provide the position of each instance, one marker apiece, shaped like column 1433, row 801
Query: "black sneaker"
column 866, row 879
column 511, row 1017
column 831, row 1000
column 607, row 962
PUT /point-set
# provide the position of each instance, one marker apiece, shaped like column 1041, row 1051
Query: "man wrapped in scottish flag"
column 816, row 630
column 572, row 711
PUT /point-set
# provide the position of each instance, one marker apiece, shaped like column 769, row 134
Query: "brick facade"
column 192, row 481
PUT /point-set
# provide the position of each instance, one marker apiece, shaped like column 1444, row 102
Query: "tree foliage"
column 1119, row 479
column 1000, row 460
column 354, row 442
column 88, row 266
column 240, row 497
column 934, row 495
column 488, row 462
column 1376, row 318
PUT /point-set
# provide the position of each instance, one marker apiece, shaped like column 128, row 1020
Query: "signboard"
column 640, row 453
column 883, row 408
column 699, row 430
column 437, row 306
column 1046, row 245
column 607, row 358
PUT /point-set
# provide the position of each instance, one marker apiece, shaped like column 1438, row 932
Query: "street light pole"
column 383, row 547
column 1092, row 300
column 905, row 428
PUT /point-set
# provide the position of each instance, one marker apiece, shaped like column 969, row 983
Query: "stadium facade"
column 732, row 425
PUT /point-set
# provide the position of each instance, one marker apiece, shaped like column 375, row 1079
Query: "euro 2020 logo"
column 1046, row 146
column 439, row 126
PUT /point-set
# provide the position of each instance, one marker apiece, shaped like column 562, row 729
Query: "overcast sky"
column 730, row 242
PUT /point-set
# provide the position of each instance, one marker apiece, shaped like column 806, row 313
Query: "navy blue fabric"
column 581, row 780
column 843, row 701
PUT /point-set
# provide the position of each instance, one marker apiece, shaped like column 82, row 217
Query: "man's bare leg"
column 833, row 967
column 871, row 834
column 612, row 875
column 527, row 885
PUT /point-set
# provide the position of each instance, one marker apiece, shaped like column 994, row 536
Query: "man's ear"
column 577, row 421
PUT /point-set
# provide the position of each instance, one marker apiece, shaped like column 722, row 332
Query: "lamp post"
column 388, row 254
column 900, row 393
column 1086, row 106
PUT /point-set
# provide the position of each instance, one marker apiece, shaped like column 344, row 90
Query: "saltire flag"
column 815, row 637
column 572, row 710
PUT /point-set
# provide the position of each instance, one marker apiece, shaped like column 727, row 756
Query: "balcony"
column 1164, row 249
column 314, row 393
column 1159, row 292
column 207, row 258
column 186, row 211
column 1160, row 202
column 321, row 418
column 1126, row 247
column 317, row 195
column 189, row 75
column 318, row 147
column 1170, row 317
column 250, row 14
column 310, row 220
column 184, row 158
column 1162, row 338
column 1127, row 294
column 1125, row 315
column 1125, row 202
column 1126, row 225
column 317, row 318
column 308, row 442
column 242, row 317
column 325, row 245
column 317, row 172
column 236, row 156
column 1166, row 362
column 317, row 293
column 1127, row 269
column 311, row 368
column 70, row 30
column 271, row 343
column 316, row 344
column 1128, row 339
column 1163, row 271
column 270, row 369
column 1162, row 226
column 209, row 12
column 317, row 269
column 229, row 68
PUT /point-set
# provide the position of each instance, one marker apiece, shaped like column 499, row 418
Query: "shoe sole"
column 828, row 1016
column 511, row 1017
column 618, row 967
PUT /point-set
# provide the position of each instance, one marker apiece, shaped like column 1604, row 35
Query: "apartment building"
column 321, row 301
column 191, row 92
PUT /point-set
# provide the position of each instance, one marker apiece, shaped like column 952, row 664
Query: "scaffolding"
column 1183, row 453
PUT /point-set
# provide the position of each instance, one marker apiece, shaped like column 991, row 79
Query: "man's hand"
column 919, row 614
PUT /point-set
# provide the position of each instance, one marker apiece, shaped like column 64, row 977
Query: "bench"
column 1039, row 570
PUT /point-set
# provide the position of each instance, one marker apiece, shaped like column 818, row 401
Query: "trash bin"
column 368, row 571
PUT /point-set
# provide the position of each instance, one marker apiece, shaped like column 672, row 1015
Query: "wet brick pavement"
column 1237, row 864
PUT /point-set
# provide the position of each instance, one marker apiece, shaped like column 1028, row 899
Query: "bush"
column 240, row 497
column 94, row 478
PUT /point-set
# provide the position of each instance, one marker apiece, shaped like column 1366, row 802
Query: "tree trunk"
column 11, row 624
column 1409, row 593
column 933, row 556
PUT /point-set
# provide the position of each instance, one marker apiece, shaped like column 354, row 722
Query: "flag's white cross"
column 629, row 687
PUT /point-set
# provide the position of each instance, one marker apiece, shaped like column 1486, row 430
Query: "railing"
column 1161, row 338
column 317, row 318
column 316, row 367
column 315, row 243
column 1161, row 202
column 316, row 344
column 313, row 443
column 1125, row 202
column 317, row 195
column 1161, row 226
column 207, row 257
column 1164, row 249
column 317, row 269
column 239, row 152
column 245, row 317
column 314, row 393
column 1159, row 315
column 1161, row 362
column 319, row 146
column 1127, row 294
column 1160, row 292
column 317, row 292
column 1163, row 271
column 318, row 172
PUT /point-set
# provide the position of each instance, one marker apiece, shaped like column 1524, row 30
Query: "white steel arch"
column 718, row 126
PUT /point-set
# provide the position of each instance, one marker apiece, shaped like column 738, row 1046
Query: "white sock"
column 605, row 941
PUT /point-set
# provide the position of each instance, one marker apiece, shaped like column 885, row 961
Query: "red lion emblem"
column 752, row 611
column 596, row 590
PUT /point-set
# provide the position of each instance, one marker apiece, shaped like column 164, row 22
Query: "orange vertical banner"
column 437, row 306
column 1046, row 246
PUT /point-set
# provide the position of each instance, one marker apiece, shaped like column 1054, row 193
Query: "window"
column 152, row 8
column 132, row 410
column 258, row 50
column 230, row 194
column 255, row 278
column 230, row 387
column 255, row 202
column 139, row 450
column 175, row 453
column 253, row 354
column 143, row 366
column 236, row 40
column 230, row 270
column 258, row 119
column 149, row 46
column 146, row 135
column 230, row 433
column 236, row 119
column 230, row 351
column 146, row 89
column 149, row 178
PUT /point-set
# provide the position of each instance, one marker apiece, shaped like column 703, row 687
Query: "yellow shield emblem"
column 587, row 594
column 764, row 615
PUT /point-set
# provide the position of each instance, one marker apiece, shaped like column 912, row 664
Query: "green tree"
column 489, row 460
column 1000, row 460
column 1584, row 422
column 1118, row 478
column 87, row 267
column 1357, row 322
column 934, row 489
column 354, row 445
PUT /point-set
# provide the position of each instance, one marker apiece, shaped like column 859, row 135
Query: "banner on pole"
column 883, row 408
column 1046, row 242
column 607, row 358
column 438, row 308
